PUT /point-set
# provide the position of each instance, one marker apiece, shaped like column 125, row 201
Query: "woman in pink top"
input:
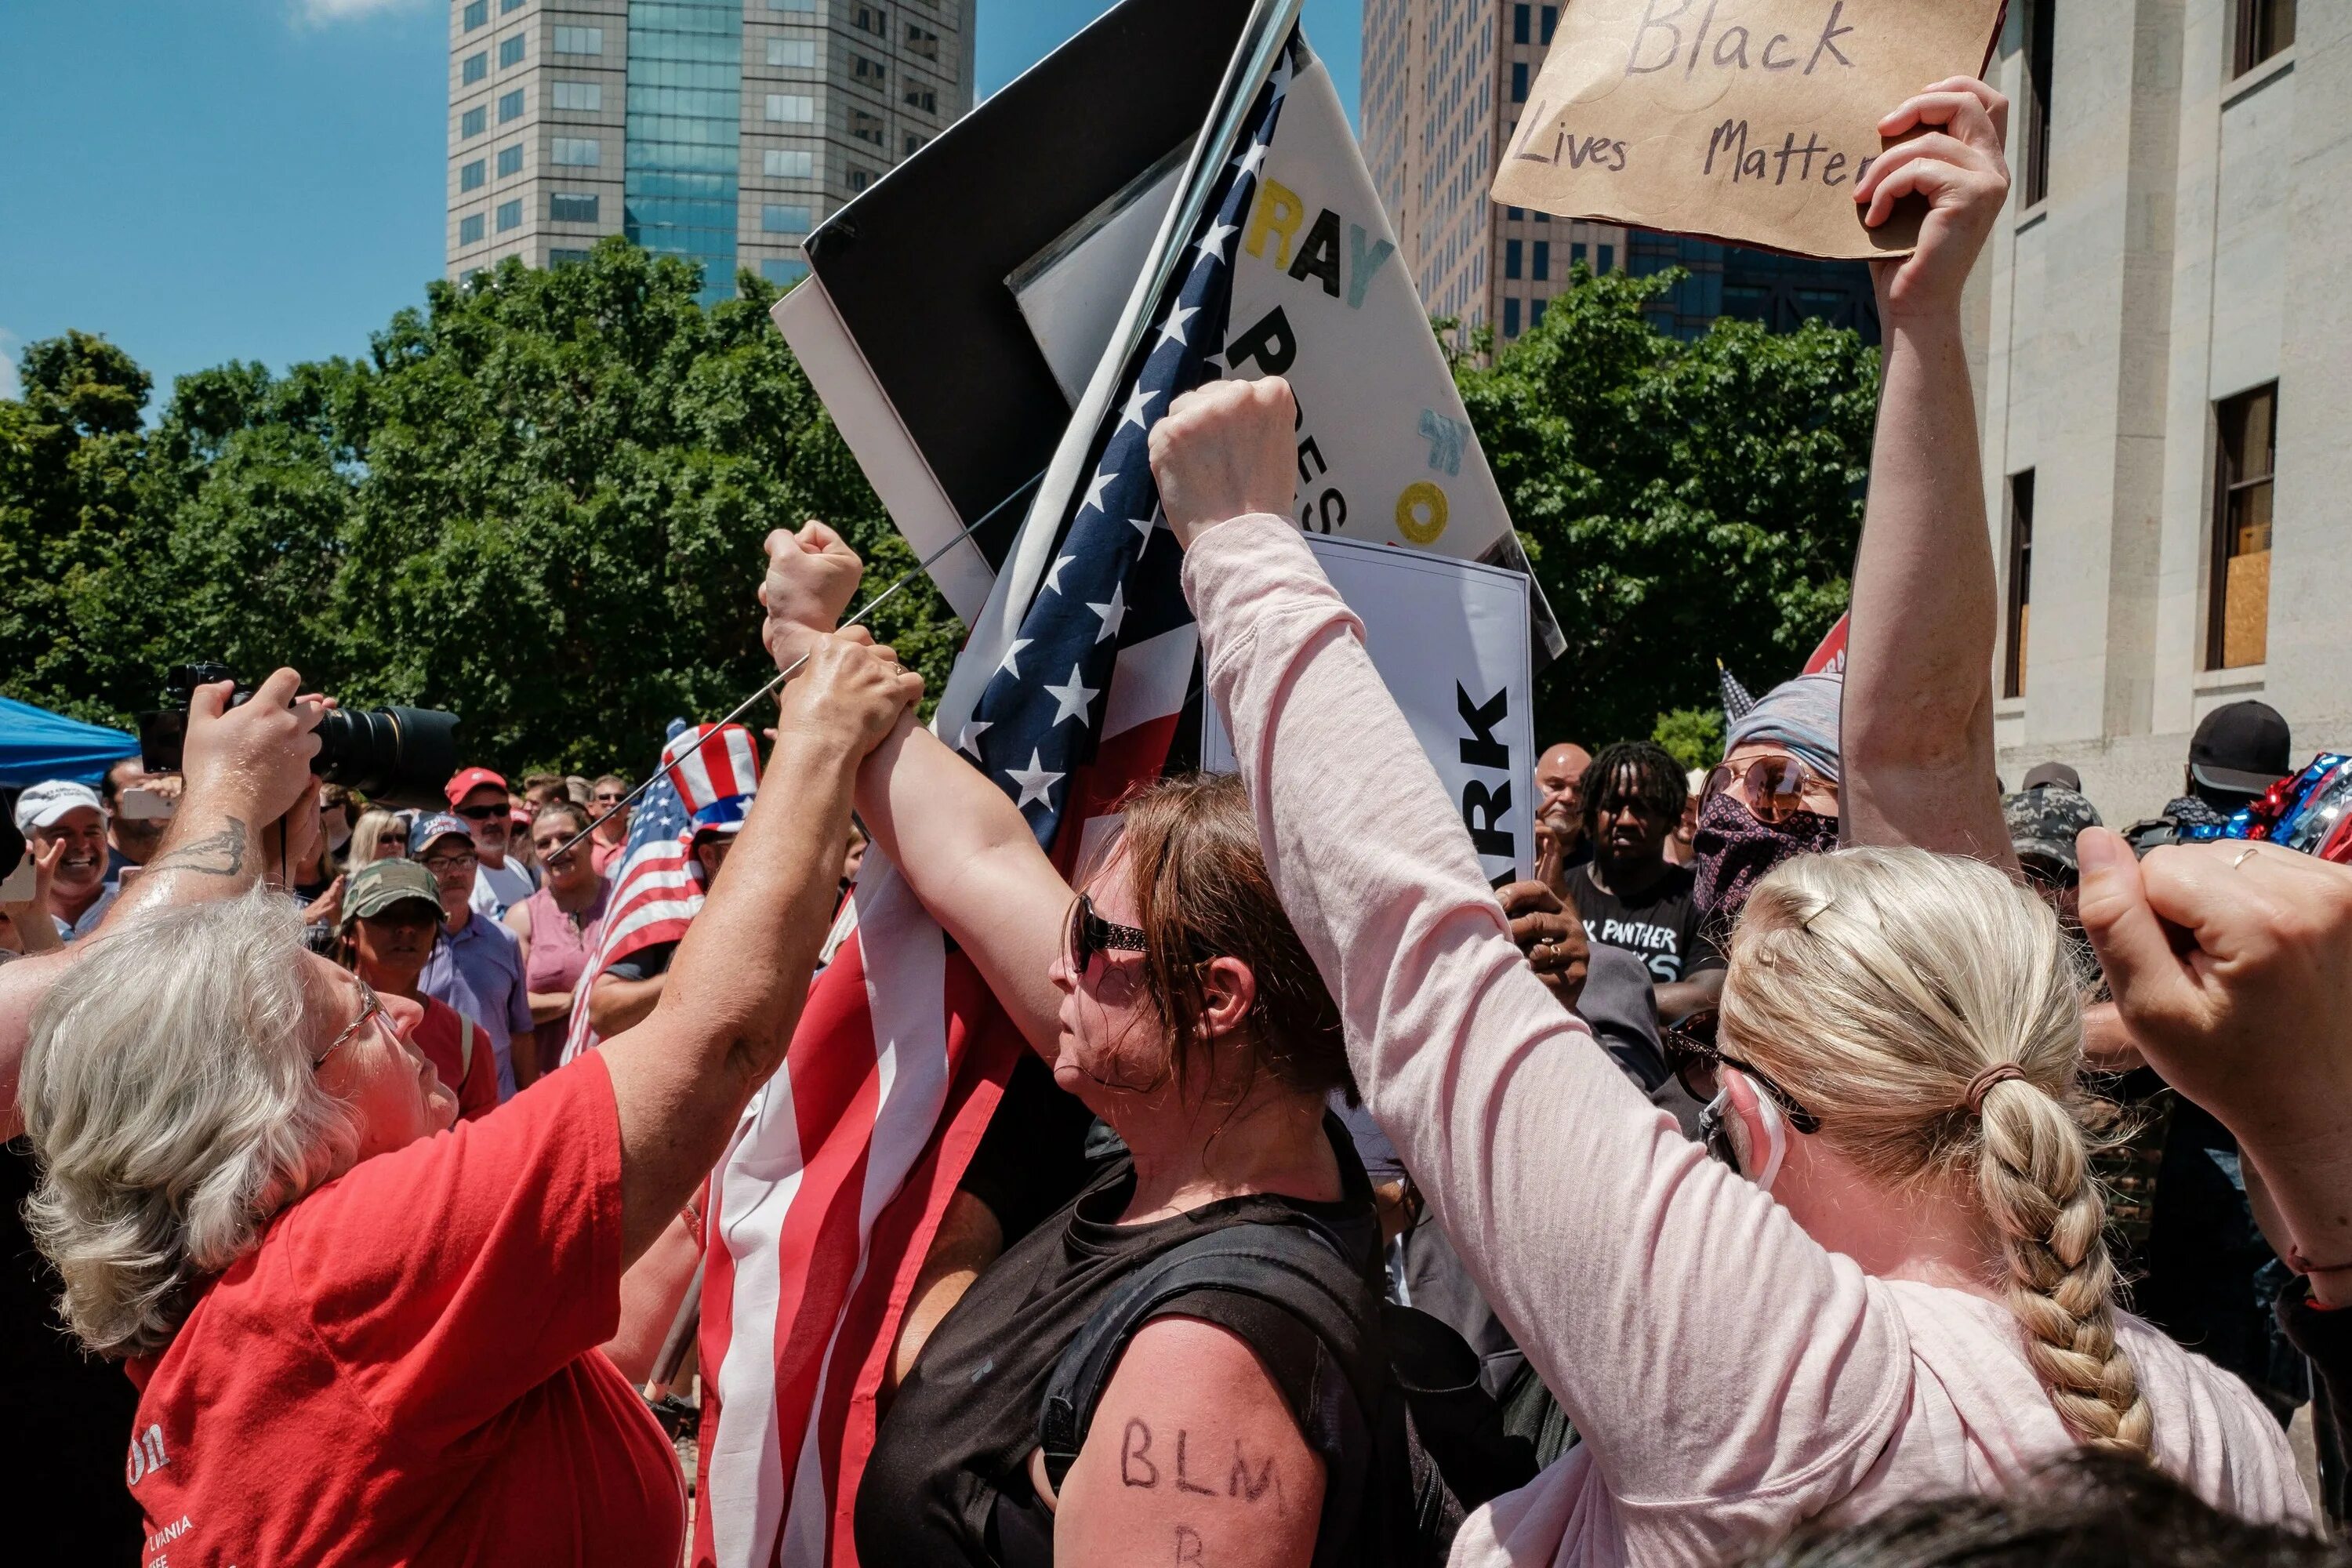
column 557, row 928
column 1921, row 1304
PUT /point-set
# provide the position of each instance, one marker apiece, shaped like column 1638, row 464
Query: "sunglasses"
column 610, row 799
column 485, row 812
column 1091, row 934
column 368, row 1008
column 1772, row 788
column 1694, row 1057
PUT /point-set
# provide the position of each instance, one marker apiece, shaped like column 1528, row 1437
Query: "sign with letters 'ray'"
column 1746, row 120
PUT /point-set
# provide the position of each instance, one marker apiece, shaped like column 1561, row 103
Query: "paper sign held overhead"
column 1746, row 120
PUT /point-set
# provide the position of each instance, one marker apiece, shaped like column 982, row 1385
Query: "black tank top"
column 949, row 1479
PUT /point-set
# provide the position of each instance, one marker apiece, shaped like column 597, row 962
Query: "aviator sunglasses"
column 1772, row 788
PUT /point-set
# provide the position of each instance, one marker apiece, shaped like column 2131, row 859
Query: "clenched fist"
column 1226, row 449
column 811, row 575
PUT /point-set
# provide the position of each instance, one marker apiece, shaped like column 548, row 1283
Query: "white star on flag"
column 1248, row 162
column 1036, row 782
column 1143, row 525
column 1212, row 243
column 1171, row 330
column 1054, row 572
column 1011, row 654
column 1070, row 702
column 1112, row 612
column 1138, row 407
column 968, row 737
column 1094, row 491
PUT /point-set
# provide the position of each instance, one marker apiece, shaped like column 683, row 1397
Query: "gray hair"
column 174, row 1108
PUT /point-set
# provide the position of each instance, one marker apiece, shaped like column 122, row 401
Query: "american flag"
column 659, row 888
column 827, row 1199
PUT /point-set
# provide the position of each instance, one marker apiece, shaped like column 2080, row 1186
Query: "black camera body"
column 399, row 756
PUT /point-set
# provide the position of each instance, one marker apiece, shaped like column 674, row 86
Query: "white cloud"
column 322, row 13
column 10, row 348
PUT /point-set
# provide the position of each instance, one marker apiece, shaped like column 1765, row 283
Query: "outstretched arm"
column 1916, row 738
column 955, row 838
column 245, row 767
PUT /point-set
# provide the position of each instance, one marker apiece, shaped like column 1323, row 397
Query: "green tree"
column 1680, row 502
column 1692, row 736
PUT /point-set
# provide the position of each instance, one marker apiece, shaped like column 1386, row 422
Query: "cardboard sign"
column 1450, row 641
column 1746, row 120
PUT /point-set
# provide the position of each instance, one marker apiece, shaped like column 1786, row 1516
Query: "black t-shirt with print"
column 1661, row 927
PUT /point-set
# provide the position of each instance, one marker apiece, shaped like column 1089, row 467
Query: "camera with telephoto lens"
column 399, row 756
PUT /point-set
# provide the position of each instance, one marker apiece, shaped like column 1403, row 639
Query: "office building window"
column 2041, row 43
column 1551, row 22
column 472, row 176
column 2019, row 611
column 577, row 151
column 922, row 41
column 915, row 143
column 1608, row 262
column 796, row 53
column 1514, row 257
column 510, row 160
column 510, row 106
column 587, row 96
column 1510, row 318
column 1518, row 81
column 1540, row 264
column 776, row 219
column 2266, row 27
column 1575, row 253
column 923, row 98
column 477, row 14
column 507, row 6
column 866, row 127
column 865, row 69
column 510, row 51
column 469, row 229
column 790, row 164
column 792, row 107
column 803, row 5
column 470, row 273
column 473, row 123
column 783, row 271
column 579, row 40
column 1535, row 313
column 869, row 19
column 565, row 207
column 476, row 68
column 565, row 258
column 1515, row 214
column 859, row 178
column 510, row 214
column 2238, row 624
column 1522, row 24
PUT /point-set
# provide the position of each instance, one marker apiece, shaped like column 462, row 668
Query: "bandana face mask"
column 1731, row 851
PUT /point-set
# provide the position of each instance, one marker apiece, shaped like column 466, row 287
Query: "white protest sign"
column 1450, row 640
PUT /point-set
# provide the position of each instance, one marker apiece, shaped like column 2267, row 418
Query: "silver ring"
column 2243, row 855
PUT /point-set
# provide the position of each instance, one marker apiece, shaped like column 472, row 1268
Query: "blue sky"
column 209, row 179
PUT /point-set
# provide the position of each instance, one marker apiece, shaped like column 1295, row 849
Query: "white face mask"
column 1718, row 1114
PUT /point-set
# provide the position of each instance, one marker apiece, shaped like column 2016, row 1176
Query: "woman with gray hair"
column 253, row 1189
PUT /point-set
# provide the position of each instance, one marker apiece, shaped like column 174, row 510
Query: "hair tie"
column 1980, row 1085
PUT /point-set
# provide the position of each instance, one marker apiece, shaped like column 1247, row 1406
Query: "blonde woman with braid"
column 1896, row 1289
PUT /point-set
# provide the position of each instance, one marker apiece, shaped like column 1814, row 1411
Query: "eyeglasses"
column 1091, row 934
column 368, row 1008
column 485, row 812
column 439, row 863
column 1771, row 788
column 1692, row 1054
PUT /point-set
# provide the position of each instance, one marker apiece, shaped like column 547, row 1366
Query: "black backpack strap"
column 1293, row 1266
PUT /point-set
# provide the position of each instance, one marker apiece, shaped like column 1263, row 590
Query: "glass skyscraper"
column 720, row 131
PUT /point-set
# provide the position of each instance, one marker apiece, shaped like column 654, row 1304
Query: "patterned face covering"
column 1731, row 851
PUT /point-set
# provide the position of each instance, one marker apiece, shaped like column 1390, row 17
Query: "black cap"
column 2242, row 748
column 2057, row 773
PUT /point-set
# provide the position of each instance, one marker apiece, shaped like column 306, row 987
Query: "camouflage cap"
column 2044, row 820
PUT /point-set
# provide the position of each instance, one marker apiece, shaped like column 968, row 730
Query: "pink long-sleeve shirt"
column 1729, row 1375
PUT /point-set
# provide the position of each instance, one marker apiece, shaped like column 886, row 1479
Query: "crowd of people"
column 1827, row 1157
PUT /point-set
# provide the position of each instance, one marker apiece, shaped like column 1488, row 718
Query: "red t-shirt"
column 406, row 1370
column 441, row 1036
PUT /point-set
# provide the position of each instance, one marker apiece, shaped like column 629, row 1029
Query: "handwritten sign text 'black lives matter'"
column 1741, row 120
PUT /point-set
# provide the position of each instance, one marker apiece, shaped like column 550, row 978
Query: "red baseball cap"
column 469, row 780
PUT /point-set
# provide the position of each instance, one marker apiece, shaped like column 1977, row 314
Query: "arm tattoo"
column 220, row 854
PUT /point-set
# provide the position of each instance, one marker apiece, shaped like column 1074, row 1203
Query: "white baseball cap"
column 44, row 804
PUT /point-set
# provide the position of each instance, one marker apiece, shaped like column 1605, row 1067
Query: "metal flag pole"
column 781, row 676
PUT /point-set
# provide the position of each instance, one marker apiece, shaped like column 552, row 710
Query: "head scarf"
column 1800, row 714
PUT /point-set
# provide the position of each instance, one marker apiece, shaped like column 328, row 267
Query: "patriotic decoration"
column 707, row 773
column 1737, row 702
column 824, row 1203
column 2308, row 812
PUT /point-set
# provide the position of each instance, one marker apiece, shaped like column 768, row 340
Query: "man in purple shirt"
column 476, row 966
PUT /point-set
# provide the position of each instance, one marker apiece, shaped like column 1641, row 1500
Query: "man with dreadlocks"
column 1630, row 896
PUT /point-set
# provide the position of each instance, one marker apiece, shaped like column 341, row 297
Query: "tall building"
column 721, row 131
column 2163, row 360
column 1443, row 85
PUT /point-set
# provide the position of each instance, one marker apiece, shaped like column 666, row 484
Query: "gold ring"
column 2242, row 855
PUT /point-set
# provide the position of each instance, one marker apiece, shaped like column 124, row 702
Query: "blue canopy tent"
column 37, row 745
